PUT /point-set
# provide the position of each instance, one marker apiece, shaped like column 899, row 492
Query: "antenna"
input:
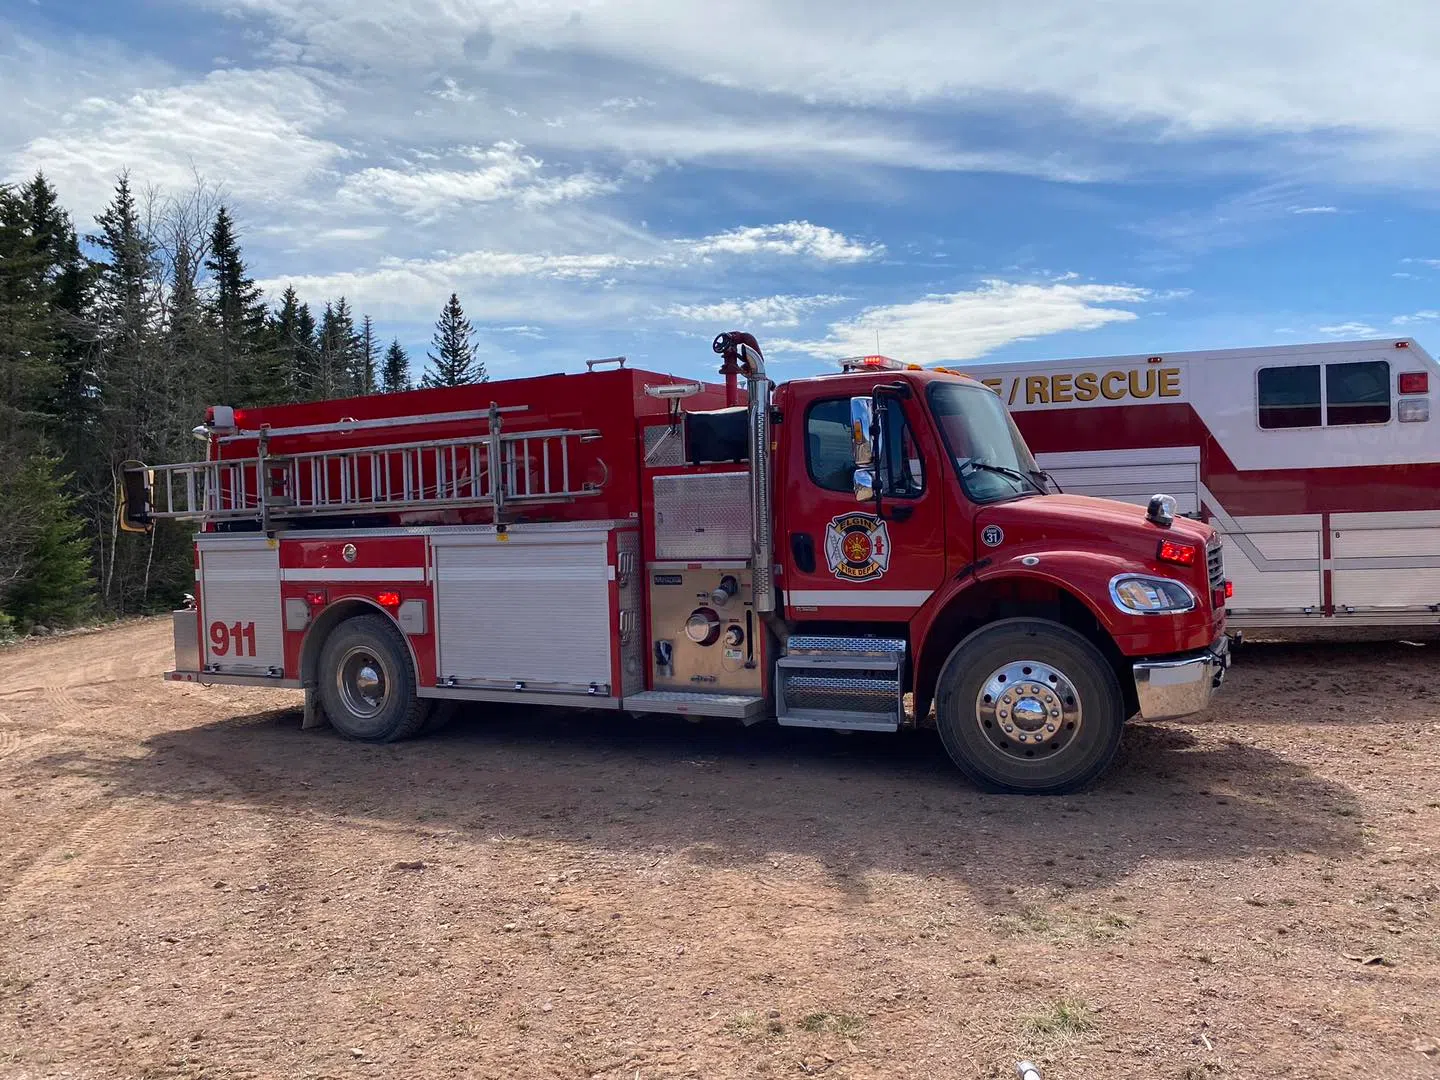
column 877, row 339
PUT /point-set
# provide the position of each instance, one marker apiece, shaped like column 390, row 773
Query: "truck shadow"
column 722, row 795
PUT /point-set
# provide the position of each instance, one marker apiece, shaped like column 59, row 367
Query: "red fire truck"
column 863, row 551
column 1316, row 463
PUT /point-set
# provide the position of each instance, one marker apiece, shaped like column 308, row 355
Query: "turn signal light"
column 1414, row 382
column 1229, row 589
column 388, row 599
column 1180, row 554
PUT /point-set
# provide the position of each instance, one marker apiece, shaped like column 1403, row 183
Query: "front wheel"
column 367, row 682
column 1029, row 706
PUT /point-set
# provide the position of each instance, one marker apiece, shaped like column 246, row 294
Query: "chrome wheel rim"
column 1028, row 710
column 362, row 682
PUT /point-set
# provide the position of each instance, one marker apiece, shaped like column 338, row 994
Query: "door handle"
column 802, row 547
column 900, row 513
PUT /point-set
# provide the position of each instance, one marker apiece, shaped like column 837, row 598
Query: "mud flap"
column 314, row 711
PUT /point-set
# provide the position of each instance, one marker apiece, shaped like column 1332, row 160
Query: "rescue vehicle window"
column 830, row 459
column 1357, row 393
column 1290, row 396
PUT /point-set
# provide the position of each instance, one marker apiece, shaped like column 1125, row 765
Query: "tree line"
column 112, row 345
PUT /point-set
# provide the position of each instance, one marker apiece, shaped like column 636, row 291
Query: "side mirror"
column 862, row 418
column 864, row 485
column 866, row 445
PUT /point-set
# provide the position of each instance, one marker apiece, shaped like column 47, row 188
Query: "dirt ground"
column 191, row 886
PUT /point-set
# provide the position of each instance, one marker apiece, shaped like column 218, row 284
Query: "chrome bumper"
column 1182, row 686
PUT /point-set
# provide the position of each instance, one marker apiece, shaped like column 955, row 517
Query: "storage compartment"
column 525, row 610
column 240, row 606
column 703, row 516
column 186, row 626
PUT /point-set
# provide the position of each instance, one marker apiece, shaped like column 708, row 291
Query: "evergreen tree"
column 453, row 362
column 396, row 370
column 307, row 354
column 292, row 342
column 48, row 582
column 68, row 279
column 27, row 341
column 366, row 357
column 238, row 313
column 339, row 345
column 130, row 415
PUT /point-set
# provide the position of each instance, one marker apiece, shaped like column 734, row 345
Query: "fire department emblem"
column 857, row 547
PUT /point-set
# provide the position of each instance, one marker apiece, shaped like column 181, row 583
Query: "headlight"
column 1142, row 595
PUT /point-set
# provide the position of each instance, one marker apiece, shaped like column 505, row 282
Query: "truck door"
column 840, row 559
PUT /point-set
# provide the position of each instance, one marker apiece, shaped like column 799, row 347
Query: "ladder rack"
column 492, row 470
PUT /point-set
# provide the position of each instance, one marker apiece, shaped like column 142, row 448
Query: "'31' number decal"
column 238, row 636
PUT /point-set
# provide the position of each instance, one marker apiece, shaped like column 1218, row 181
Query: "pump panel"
column 704, row 632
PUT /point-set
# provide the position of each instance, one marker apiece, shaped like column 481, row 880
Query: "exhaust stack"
column 742, row 351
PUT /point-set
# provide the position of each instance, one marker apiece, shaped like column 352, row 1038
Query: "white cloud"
column 502, row 172
column 1349, row 329
column 1314, row 210
column 790, row 238
column 1419, row 316
column 768, row 311
column 255, row 131
column 1433, row 264
column 965, row 325
column 1192, row 66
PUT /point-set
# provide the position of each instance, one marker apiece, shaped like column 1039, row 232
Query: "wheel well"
column 1010, row 598
column 328, row 620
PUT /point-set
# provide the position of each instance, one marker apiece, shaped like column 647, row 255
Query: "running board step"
column 850, row 684
column 687, row 703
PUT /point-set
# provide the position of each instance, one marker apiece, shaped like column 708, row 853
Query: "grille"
column 1215, row 564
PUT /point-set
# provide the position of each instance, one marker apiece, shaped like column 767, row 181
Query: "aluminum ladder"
column 493, row 469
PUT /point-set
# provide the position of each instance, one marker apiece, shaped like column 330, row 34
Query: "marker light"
column 388, row 599
column 1180, row 554
column 1229, row 590
column 1414, row 382
column 1412, row 410
column 315, row 599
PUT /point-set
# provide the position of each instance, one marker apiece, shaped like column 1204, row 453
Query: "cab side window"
column 830, row 458
column 828, row 455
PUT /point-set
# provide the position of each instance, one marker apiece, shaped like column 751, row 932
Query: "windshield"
column 992, row 459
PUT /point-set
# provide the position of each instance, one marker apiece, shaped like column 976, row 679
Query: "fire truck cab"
column 870, row 550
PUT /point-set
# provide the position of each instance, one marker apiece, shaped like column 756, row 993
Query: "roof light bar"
column 875, row 362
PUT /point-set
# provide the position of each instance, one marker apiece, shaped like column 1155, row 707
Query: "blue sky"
column 596, row 177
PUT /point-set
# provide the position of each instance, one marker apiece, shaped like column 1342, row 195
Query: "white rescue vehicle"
column 1319, row 465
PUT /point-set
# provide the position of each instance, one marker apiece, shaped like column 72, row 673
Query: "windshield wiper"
column 1012, row 474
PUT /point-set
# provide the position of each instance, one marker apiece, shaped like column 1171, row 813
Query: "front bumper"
column 1181, row 685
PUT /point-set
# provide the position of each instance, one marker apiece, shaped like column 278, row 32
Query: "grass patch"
column 751, row 1027
column 1062, row 927
column 1066, row 1017
column 841, row 1024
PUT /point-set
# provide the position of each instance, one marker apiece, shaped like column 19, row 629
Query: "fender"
column 1082, row 575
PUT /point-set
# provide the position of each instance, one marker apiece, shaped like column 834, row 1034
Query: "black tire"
column 1030, row 707
column 367, row 682
column 442, row 714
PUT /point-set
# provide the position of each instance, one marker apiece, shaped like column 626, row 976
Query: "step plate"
column 683, row 703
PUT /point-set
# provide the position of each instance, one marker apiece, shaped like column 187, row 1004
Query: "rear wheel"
column 1029, row 706
column 367, row 682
